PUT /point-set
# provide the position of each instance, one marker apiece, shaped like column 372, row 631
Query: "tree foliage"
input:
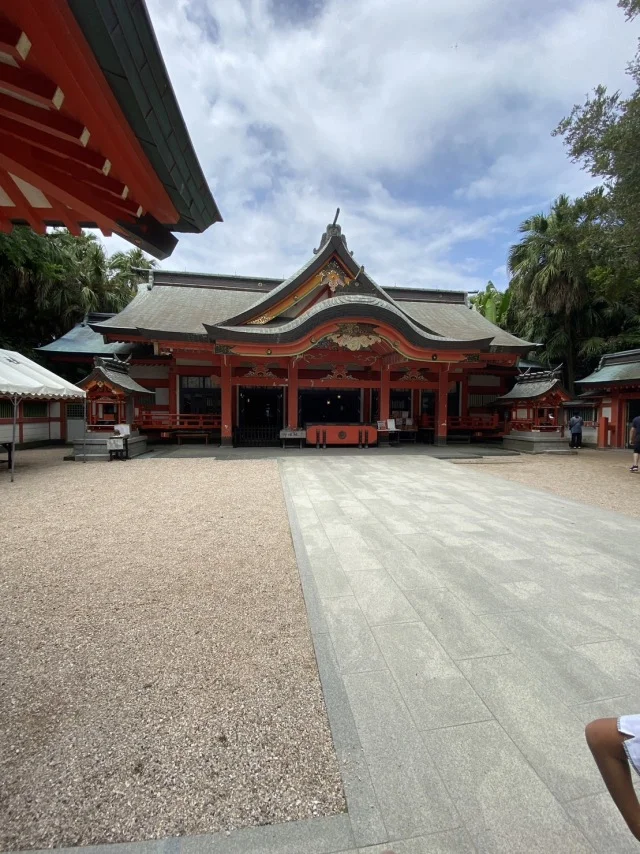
column 570, row 290
column 603, row 135
column 492, row 303
column 49, row 282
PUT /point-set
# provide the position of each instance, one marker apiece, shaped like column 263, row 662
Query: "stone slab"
column 504, row 804
column 411, row 794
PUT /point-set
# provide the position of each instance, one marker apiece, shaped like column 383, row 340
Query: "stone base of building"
column 95, row 447
column 536, row 442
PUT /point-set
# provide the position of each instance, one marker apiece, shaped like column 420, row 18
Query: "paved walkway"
column 466, row 628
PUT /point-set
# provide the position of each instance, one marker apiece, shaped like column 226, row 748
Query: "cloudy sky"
column 426, row 121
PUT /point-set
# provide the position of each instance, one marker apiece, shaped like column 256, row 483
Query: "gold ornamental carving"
column 333, row 277
column 339, row 373
column 414, row 376
column 260, row 372
column 355, row 336
column 260, row 321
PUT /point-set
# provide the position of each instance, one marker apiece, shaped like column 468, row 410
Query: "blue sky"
column 426, row 121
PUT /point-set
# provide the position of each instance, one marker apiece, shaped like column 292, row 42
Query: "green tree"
column 603, row 135
column 492, row 304
column 49, row 282
column 549, row 282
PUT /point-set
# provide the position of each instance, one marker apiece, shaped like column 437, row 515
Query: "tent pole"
column 13, row 436
column 84, row 435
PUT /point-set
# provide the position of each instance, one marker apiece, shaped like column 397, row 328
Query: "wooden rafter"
column 20, row 210
column 50, row 121
column 14, row 43
column 35, row 87
column 23, row 160
column 71, row 61
column 76, row 168
column 87, row 157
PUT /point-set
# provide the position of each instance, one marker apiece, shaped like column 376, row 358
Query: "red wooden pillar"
column 292, row 396
column 603, row 431
column 385, row 392
column 226, row 429
column 173, row 392
column 464, row 395
column 366, row 405
column 441, row 408
column 619, row 438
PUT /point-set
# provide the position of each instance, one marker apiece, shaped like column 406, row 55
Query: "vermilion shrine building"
column 614, row 388
column 326, row 349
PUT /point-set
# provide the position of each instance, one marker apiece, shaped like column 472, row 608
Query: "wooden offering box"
column 322, row 435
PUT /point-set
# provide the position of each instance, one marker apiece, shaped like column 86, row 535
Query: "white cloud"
column 427, row 122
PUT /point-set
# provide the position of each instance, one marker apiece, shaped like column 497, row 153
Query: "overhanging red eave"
column 60, row 51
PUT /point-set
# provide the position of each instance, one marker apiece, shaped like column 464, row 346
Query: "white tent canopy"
column 21, row 378
column 24, row 378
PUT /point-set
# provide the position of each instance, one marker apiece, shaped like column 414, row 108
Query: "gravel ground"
column 157, row 675
column 600, row 478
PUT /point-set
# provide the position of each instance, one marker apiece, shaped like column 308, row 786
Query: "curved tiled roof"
column 529, row 390
column 181, row 310
column 620, row 367
column 343, row 306
column 461, row 322
column 120, row 379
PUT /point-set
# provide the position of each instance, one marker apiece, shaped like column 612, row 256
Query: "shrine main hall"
column 327, row 353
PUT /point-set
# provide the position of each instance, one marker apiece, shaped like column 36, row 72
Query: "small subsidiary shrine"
column 328, row 347
column 614, row 387
column 535, row 402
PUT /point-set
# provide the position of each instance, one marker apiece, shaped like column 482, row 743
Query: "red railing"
column 172, row 421
column 482, row 421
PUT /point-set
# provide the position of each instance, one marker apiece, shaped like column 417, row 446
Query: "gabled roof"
column 615, row 368
column 199, row 307
column 532, row 386
column 333, row 244
column 116, row 374
column 82, row 340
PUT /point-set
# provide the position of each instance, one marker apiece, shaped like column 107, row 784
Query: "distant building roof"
column 615, row 369
column 82, row 340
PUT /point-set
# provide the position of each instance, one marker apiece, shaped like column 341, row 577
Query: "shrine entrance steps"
column 442, row 452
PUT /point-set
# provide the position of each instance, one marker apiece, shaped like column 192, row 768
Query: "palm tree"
column 492, row 304
column 549, row 269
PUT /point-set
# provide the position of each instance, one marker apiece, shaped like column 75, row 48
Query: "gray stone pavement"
column 466, row 628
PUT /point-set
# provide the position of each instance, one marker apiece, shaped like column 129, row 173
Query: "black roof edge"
column 343, row 310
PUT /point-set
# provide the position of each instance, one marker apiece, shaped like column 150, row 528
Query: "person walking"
column 575, row 425
column 635, row 442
